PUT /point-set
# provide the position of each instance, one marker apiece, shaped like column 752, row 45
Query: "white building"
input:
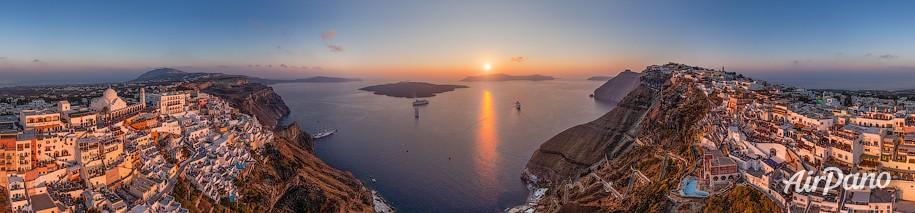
column 16, row 192
column 170, row 102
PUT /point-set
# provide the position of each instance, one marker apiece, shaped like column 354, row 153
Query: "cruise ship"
column 324, row 133
column 420, row 102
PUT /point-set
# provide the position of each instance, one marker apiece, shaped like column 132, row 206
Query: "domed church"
column 108, row 102
column 111, row 106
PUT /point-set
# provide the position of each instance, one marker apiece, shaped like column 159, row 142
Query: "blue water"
column 464, row 153
column 690, row 189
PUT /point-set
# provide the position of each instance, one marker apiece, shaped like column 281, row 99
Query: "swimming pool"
column 689, row 188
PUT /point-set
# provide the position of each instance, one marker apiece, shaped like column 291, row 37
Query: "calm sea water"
column 464, row 153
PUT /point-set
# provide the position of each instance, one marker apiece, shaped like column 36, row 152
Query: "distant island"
column 170, row 75
column 316, row 79
column 409, row 89
column 600, row 78
column 505, row 77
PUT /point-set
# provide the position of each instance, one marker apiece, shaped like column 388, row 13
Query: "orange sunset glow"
column 488, row 141
column 456, row 106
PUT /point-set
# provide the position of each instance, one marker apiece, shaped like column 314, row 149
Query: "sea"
column 463, row 153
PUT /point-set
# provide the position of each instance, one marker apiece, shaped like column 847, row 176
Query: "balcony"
column 18, row 198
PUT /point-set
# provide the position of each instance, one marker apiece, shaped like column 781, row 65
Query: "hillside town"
column 762, row 134
column 693, row 139
column 122, row 151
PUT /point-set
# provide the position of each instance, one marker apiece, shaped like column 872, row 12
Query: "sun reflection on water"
column 487, row 141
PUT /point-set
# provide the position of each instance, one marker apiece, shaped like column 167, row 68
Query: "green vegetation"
column 741, row 199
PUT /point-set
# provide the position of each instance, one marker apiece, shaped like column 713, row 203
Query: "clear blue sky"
column 117, row 40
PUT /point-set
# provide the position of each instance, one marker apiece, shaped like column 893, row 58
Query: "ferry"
column 420, row 102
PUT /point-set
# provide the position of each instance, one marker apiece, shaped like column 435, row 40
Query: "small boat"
column 420, row 102
column 373, row 179
column 518, row 105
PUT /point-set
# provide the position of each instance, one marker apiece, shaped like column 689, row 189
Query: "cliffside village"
column 122, row 154
column 764, row 134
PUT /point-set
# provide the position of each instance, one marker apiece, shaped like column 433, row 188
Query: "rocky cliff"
column 571, row 152
column 665, row 121
column 253, row 99
column 287, row 176
column 290, row 178
column 293, row 132
column 615, row 89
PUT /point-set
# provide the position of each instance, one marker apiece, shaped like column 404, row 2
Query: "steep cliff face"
column 671, row 124
column 253, row 99
column 571, row 152
column 618, row 87
column 292, row 179
column 293, row 132
column 287, row 176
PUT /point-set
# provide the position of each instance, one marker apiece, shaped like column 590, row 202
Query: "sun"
column 487, row 67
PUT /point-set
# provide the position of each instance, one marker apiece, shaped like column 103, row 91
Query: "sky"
column 91, row 41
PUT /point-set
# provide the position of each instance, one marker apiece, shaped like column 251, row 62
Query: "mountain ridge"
column 615, row 89
column 161, row 75
column 507, row 77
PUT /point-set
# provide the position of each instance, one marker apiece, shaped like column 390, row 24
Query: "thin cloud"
column 284, row 66
column 334, row 47
column 327, row 37
column 284, row 31
column 801, row 61
column 888, row 56
column 331, row 34
column 222, row 66
column 36, row 61
column 517, row 59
